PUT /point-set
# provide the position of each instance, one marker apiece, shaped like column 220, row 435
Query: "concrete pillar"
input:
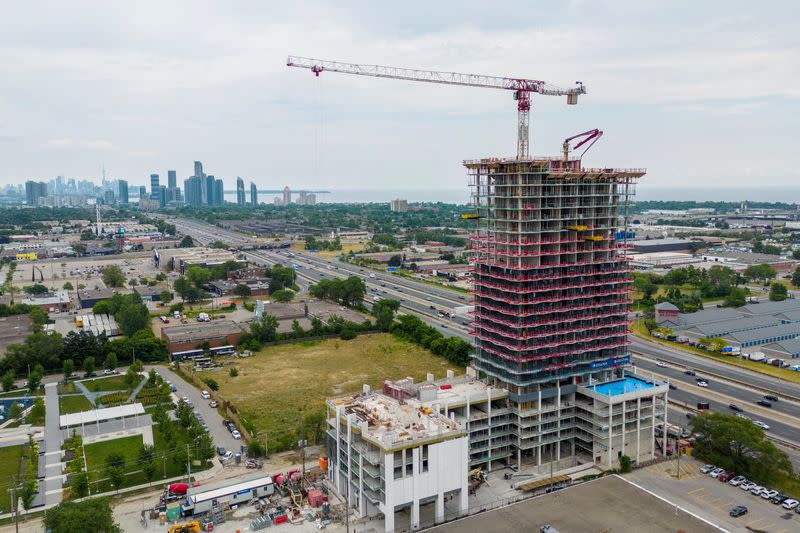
column 519, row 458
column 439, row 508
column 664, row 439
column 653, row 430
column 539, row 455
column 610, row 431
column 623, row 427
column 489, row 426
column 638, row 428
column 388, row 520
column 415, row 513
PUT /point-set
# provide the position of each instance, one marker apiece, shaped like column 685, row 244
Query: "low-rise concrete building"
column 89, row 298
column 189, row 337
column 58, row 301
column 386, row 455
column 179, row 259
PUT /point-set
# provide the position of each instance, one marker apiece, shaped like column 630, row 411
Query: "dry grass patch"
column 280, row 385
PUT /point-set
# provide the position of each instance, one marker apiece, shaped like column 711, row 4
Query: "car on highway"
column 739, row 510
column 703, row 384
column 717, row 472
column 690, row 373
column 761, row 424
column 736, row 408
column 764, row 403
column 662, row 364
column 672, row 386
column 737, row 480
column 771, row 397
column 790, row 504
column 744, row 416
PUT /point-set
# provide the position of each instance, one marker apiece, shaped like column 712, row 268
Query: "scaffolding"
column 551, row 281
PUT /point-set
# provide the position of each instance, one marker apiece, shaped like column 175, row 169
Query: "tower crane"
column 521, row 87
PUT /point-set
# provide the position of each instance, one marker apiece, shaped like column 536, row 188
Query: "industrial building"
column 89, row 298
column 662, row 245
column 769, row 327
column 216, row 333
column 58, row 301
column 179, row 259
column 551, row 288
column 386, row 455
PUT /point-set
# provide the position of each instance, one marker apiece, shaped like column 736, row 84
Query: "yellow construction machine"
column 188, row 527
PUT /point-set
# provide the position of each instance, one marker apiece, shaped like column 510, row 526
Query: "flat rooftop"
column 215, row 328
column 621, row 386
column 389, row 423
column 606, row 504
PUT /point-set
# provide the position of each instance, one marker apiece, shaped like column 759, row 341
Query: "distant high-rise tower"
column 163, row 197
column 172, row 179
column 122, row 190
column 398, row 205
column 193, row 191
column 219, row 192
column 154, row 186
column 287, row 195
column 240, row 197
column 142, row 192
column 209, row 196
column 253, row 194
column 198, row 169
column 35, row 190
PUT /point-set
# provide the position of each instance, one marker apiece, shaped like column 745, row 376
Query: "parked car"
column 717, row 472
column 779, row 498
column 727, row 476
column 747, row 485
column 736, row 408
column 235, row 434
column 739, row 510
column 771, row 397
column 764, row 403
column 757, row 490
column 790, row 504
column 213, row 404
column 227, row 455
column 740, row 415
column 768, row 494
column 205, row 395
column 738, row 480
column 221, row 450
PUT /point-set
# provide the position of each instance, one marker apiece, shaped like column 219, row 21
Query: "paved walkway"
column 52, row 485
column 137, row 389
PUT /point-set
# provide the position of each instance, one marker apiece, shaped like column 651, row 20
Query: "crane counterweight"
column 522, row 87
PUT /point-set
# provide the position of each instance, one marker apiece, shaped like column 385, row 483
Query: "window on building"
column 425, row 458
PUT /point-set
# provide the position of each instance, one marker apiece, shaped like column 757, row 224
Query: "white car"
column 790, row 504
column 747, row 485
column 707, row 468
column 768, row 493
column 205, row 395
column 235, row 434
column 662, row 364
column 761, row 424
column 717, row 472
column 227, row 455
column 757, row 490
column 702, row 384
column 742, row 415
column 738, row 480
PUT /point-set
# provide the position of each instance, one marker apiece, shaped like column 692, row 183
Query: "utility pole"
column 14, row 504
column 679, row 459
column 188, row 464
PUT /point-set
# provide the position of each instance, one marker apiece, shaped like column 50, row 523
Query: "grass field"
column 106, row 384
column 281, row 384
column 10, row 457
column 20, row 393
column 73, row 404
column 782, row 373
column 325, row 254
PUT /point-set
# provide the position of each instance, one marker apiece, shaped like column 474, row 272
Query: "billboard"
column 608, row 363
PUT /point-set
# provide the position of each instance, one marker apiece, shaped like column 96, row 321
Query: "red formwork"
column 517, row 289
column 527, row 324
column 520, row 346
column 541, row 333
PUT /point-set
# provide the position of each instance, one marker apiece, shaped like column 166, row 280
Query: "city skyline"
column 719, row 85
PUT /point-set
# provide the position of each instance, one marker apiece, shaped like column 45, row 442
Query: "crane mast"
column 522, row 87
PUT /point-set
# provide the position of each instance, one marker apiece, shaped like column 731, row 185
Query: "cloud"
column 93, row 144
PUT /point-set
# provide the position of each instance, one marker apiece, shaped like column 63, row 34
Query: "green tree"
column 737, row 297
column 265, row 330
column 111, row 362
column 69, row 516
column 763, row 273
column 8, row 380
column 242, row 290
column 147, row 457
column 79, row 485
column 131, row 377
column 778, row 292
column 384, row 312
column 737, row 444
column 132, row 318
column 113, row 277
column 625, row 464
column 15, row 411
column 103, row 307
column 186, row 242
column 796, row 277
column 79, row 248
column 184, row 413
column 37, row 412
column 68, row 286
column 233, row 372
column 218, row 244
column 198, row 276
column 88, row 366
column 38, row 288
column 34, row 380
column 166, row 296
column 283, row 296
column 69, row 368
column 187, row 290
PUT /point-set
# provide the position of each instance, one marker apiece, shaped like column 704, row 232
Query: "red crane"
column 522, row 87
column 591, row 137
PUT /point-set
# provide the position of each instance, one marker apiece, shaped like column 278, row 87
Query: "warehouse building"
column 189, row 337
column 49, row 302
column 661, row 245
column 89, row 298
column 179, row 259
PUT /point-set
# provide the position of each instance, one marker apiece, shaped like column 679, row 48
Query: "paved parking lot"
column 713, row 500
column 219, row 433
column 608, row 504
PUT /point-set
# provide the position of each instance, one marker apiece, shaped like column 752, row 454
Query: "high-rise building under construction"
column 551, row 295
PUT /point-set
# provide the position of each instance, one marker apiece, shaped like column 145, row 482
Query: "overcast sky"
column 700, row 93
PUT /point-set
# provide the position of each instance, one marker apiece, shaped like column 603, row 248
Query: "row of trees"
column 314, row 244
column 454, row 349
column 191, row 286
